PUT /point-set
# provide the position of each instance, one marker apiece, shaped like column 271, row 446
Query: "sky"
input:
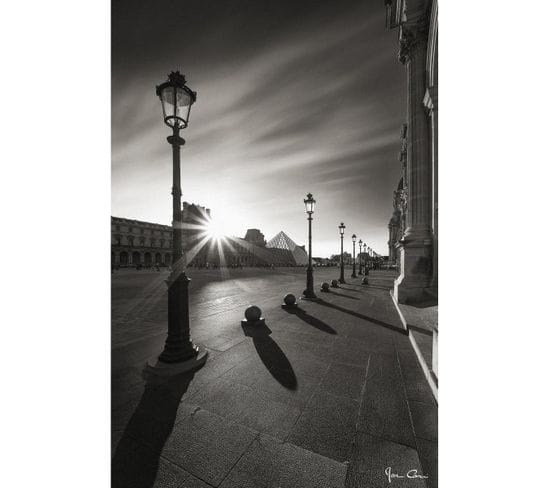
column 292, row 97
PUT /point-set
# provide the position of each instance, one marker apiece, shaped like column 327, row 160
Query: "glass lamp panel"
column 168, row 100
column 183, row 104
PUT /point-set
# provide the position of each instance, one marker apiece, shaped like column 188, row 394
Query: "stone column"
column 430, row 102
column 416, row 244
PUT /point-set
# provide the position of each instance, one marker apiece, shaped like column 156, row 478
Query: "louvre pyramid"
column 282, row 241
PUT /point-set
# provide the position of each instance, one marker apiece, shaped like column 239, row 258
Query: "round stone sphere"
column 334, row 283
column 289, row 299
column 325, row 286
column 253, row 313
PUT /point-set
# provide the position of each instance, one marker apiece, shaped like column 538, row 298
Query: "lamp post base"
column 309, row 295
column 157, row 368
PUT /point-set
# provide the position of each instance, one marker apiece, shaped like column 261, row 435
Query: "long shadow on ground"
column 135, row 463
column 272, row 355
column 361, row 316
column 313, row 321
column 350, row 289
column 342, row 295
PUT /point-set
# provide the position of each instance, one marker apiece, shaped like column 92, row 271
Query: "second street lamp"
column 360, row 257
column 341, row 227
column 176, row 99
column 310, row 207
column 353, row 239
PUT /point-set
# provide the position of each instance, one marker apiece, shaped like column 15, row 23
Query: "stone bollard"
column 365, row 281
column 334, row 284
column 289, row 301
column 325, row 287
column 253, row 316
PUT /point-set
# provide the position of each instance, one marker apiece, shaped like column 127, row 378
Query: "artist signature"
column 411, row 474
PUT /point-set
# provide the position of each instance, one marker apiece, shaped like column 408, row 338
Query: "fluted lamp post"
column 365, row 266
column 179, row 351
column 360, row 257
column 310, row 208
column 341, row 227
column 353, row 239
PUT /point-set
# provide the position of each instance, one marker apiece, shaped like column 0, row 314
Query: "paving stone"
column 416, row 385
column 250, row 407
column 154, row 418
column 344, row 380
column 274, row 464
column 372, row 456
column 136, row 466
column 292, row 371
column 384, row 409
column 207, row 445
column 327, row 426
column 193, row 482
column 427, row 452
column 424, row 416
column 253, row 373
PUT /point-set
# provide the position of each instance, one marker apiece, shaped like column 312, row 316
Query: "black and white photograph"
column 274, row 244
column 228, row 243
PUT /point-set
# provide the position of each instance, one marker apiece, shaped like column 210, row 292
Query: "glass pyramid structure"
column 284, row 243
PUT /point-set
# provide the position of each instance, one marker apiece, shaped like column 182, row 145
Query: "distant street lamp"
column 360, row 257
column 353, row 238
column 342, row 227
column 310, row 208
column 176, row 99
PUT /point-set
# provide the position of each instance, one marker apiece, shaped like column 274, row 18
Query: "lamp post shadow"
column 313, row 321
column 271, row 355
column 137, row 456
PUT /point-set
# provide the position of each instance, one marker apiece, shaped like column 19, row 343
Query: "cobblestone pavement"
column 329, row 395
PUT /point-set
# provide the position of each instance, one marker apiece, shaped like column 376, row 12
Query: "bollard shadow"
column 135, row 462
column 313, row 321
column 342, row 295
column 271, row 355
column 364, row 317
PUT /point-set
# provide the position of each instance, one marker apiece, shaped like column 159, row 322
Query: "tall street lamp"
column 360, row 257
column 176, row 99
column 353, row 239
column 342, row 227
column 366, row 269
column 310, row 207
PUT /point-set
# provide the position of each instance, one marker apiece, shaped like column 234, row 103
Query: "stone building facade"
column 254, row 236
column 416, row 250
column 136, row 242
column 195, row 219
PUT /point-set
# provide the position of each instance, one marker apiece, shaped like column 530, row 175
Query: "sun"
column 215, row 230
